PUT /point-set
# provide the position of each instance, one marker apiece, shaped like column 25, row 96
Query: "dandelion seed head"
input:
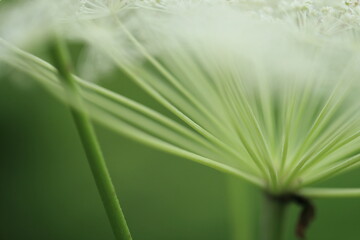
column 270, row 89
column 271, row 94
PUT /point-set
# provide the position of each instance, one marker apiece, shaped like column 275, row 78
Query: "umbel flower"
column 265, row 91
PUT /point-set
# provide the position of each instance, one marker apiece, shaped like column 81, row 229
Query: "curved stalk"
column 90, row 144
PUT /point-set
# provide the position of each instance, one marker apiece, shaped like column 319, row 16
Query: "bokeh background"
column 47, row 191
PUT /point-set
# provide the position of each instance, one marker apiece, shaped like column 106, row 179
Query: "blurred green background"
column 47, row 191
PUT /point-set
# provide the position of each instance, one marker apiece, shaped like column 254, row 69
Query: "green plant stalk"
column 241, row 209
column 272, row 218
column 90, row 143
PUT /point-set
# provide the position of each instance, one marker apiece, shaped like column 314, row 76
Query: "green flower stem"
column 330, row 192
column 272, row 218
column 241, row 209
column 90, row 143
